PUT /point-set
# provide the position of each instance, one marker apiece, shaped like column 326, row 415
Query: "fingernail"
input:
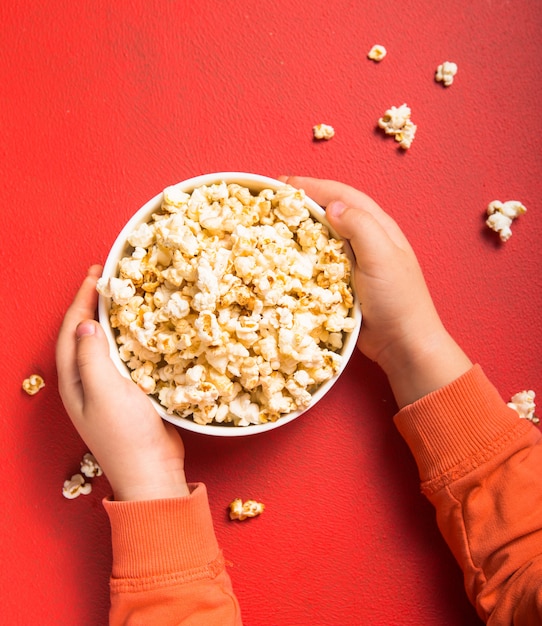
column 336, row 208
column 85, row 329
column 95, row 270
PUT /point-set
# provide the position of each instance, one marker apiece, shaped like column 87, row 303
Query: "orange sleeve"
column 481, row 467
column 167, row 566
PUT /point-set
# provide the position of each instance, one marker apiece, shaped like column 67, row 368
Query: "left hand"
column 141, row 455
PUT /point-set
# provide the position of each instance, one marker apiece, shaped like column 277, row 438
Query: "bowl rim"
column 255, row 182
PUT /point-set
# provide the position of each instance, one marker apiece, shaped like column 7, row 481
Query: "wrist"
column 158, row 486
column 417, row 369
column 150, row 492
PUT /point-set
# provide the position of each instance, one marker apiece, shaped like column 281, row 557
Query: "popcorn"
column 33, row 384
column 445, row 73
column 396, row 121
column 90, row 467
column 377, row 53
column 232, row 307
column 323, row 131
column 119, row 290
column 523, row 403
column 240, row 510
column 501, row 216
column 76, row 486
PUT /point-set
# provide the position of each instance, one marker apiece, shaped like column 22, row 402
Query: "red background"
column 105, row 103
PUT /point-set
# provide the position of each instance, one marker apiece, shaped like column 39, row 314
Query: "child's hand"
column 141, row 455
column 401, row 329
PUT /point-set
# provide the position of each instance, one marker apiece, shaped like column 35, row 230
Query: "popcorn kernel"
column 33, row 384
column 240, row 510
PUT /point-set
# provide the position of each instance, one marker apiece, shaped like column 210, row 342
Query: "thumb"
column 95, row 366
column 369, row 240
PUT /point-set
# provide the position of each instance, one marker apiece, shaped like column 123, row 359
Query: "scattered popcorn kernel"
column 90, row 467
column 232, row 307
column 76, row 486
column 501, row 215
column 241, row 510
column 377, row 53
column 405, row 136
column 33, row 384
column 323, row 131
column 523, row 403
column 445, row 73
column 396, row 121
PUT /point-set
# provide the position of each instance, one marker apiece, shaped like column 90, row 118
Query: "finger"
column 84, row 303
column 95, row 367
column 82, row 307
column 369, row 240
column 325, row 191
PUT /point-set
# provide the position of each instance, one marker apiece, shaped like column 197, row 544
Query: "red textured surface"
column 104, row 104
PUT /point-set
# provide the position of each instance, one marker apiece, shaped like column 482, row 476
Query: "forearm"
column 480, row 466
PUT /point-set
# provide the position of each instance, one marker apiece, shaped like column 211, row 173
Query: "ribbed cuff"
column 162, row 537
column 458, row 427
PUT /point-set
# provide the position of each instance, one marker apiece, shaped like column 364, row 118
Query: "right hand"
column 401, row 328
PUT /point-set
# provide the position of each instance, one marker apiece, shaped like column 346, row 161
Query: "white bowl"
column 121, row 248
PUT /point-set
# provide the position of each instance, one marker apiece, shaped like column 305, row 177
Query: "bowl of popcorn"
column 228, row 299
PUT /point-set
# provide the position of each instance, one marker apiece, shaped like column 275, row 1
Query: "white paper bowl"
column 121, row 248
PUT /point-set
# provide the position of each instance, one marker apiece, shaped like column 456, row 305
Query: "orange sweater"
column 480, row 465
column 167, row 566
